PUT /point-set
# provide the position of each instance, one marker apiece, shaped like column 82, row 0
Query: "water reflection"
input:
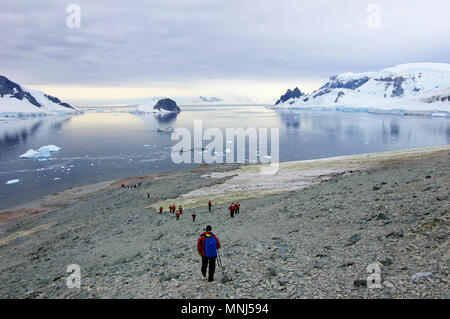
column 402, row 131
column 166, row 118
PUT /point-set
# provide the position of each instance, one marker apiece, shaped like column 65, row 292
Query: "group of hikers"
column 234, row 209
column 131, row 186
column 173, row 210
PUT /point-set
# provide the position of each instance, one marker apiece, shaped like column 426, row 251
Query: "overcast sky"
column 240, row 50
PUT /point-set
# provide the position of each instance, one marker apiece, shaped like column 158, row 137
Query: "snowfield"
column 414, row 88
column 18, row 101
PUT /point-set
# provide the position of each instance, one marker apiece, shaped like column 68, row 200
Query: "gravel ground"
column 310, row 243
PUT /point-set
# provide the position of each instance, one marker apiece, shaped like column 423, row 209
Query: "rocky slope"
column 17, row 100
column 310, row 243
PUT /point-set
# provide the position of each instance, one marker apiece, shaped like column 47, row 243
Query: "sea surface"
column 110, row 143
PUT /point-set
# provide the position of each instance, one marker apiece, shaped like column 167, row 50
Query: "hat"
column 208, row 228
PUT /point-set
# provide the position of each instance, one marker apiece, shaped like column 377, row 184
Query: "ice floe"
column 42, row 152
column 13, row 181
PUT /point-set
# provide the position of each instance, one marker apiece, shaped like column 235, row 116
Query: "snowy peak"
column 418, row 86
column 290, row 94
column 15, row 91
column 17, row 100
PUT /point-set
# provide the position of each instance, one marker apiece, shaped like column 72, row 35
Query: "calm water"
column 100, row 146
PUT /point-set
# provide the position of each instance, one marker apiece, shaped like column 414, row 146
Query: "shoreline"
column 245, row 176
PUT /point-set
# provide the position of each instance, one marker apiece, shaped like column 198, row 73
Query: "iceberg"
column 13, row 181
column 441, row 114
column 50, row 148
column 43, row 152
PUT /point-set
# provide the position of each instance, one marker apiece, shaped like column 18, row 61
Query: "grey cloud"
column 138, row 42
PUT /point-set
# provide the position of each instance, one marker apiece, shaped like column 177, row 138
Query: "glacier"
column 18, row 101
column 406, row 89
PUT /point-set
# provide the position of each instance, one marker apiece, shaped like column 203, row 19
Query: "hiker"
column 237, row 206
column 178, row 215
column 193, row 216
column 148, row 195
column 209, row 205
column 180, row 209
column 123, row 185
column 231, row 208
column 207, row 247
column 160, row 210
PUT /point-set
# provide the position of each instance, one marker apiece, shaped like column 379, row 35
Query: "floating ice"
column 44, row 151
column 50, row 148
column 57, row 178
column 13, row 181
column 440, row 114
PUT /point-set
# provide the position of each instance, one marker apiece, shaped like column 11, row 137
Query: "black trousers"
column 212, row 267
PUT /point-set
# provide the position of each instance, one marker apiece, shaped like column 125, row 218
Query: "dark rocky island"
column 167, row 105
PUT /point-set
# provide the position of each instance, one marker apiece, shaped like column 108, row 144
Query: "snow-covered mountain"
column 16, row 100
column 414, row 88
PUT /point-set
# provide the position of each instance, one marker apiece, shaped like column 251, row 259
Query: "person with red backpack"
column 178, row 215
column 207, row 247
column 209, row 205
column 180, row 209
column 160, row 210
column 237, row 206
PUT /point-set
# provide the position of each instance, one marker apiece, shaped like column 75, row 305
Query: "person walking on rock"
column 207, row 247
column 160, row 210
column 209, row 205
column 193, row 216
column 237, row 206
column 231, row 208
column 178, row 214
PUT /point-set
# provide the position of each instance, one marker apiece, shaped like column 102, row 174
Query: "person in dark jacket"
column 211, row 259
